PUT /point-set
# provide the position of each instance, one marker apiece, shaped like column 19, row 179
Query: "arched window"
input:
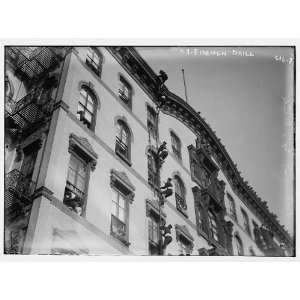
column 94, row 60
column 180, row 194
column 86, row 108
column 176, row 145
column 238, row 245
column 123, row 140
column 213, row 226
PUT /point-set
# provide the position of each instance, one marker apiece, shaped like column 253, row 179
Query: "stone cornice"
column 174, row 106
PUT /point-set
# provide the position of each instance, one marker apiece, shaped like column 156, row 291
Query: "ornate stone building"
column 102, row 158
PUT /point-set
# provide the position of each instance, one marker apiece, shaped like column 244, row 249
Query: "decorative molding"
column 83, row 144
column 183, row 230
column 121, row 177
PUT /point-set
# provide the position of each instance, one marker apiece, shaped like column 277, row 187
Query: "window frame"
column 152, row 172
column 185, row 246
column 125, row 221
column 90, row 61
column 176, row 145
column 124, row 84
column 120, row 144
column 152, row 212
column 184, row 240
column 152, row 122
column 81, row 148
column 213, row 228
column 246, row 222
column 73, row 188
column 125, row 190
column 180, row 195
column 89, row 94
column 153, row 245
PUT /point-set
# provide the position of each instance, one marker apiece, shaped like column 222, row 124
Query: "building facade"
column 101, row 158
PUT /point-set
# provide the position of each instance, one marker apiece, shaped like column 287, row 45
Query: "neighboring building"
column 82, row 128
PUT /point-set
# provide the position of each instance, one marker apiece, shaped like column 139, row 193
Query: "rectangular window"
column 74, row 196
column 153, row 234
column 119, row 216
column 94, row 60
column 152, row 122
column 213, row 226
column 153, row 175
column 125, row 92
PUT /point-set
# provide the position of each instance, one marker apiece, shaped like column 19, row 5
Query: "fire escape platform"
column 32, row 62
column 27, row 113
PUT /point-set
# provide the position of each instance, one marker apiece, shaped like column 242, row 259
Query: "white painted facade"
column 52, row 225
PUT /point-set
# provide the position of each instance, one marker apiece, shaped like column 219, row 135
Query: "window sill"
column 123, row 241
column 93, row 69
column 125, row 159
column 202, row 233
column 184, row 213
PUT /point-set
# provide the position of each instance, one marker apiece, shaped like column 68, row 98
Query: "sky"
column 246, row 96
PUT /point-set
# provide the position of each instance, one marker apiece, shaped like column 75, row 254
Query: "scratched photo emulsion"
column 149, row 151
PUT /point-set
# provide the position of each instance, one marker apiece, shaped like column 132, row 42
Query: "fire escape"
column 33, row 65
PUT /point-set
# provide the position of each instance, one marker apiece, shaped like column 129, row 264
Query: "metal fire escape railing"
column 32, row 62
column 18, row 202
column 23, row 117
column 28, row 111
column 18, row 191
